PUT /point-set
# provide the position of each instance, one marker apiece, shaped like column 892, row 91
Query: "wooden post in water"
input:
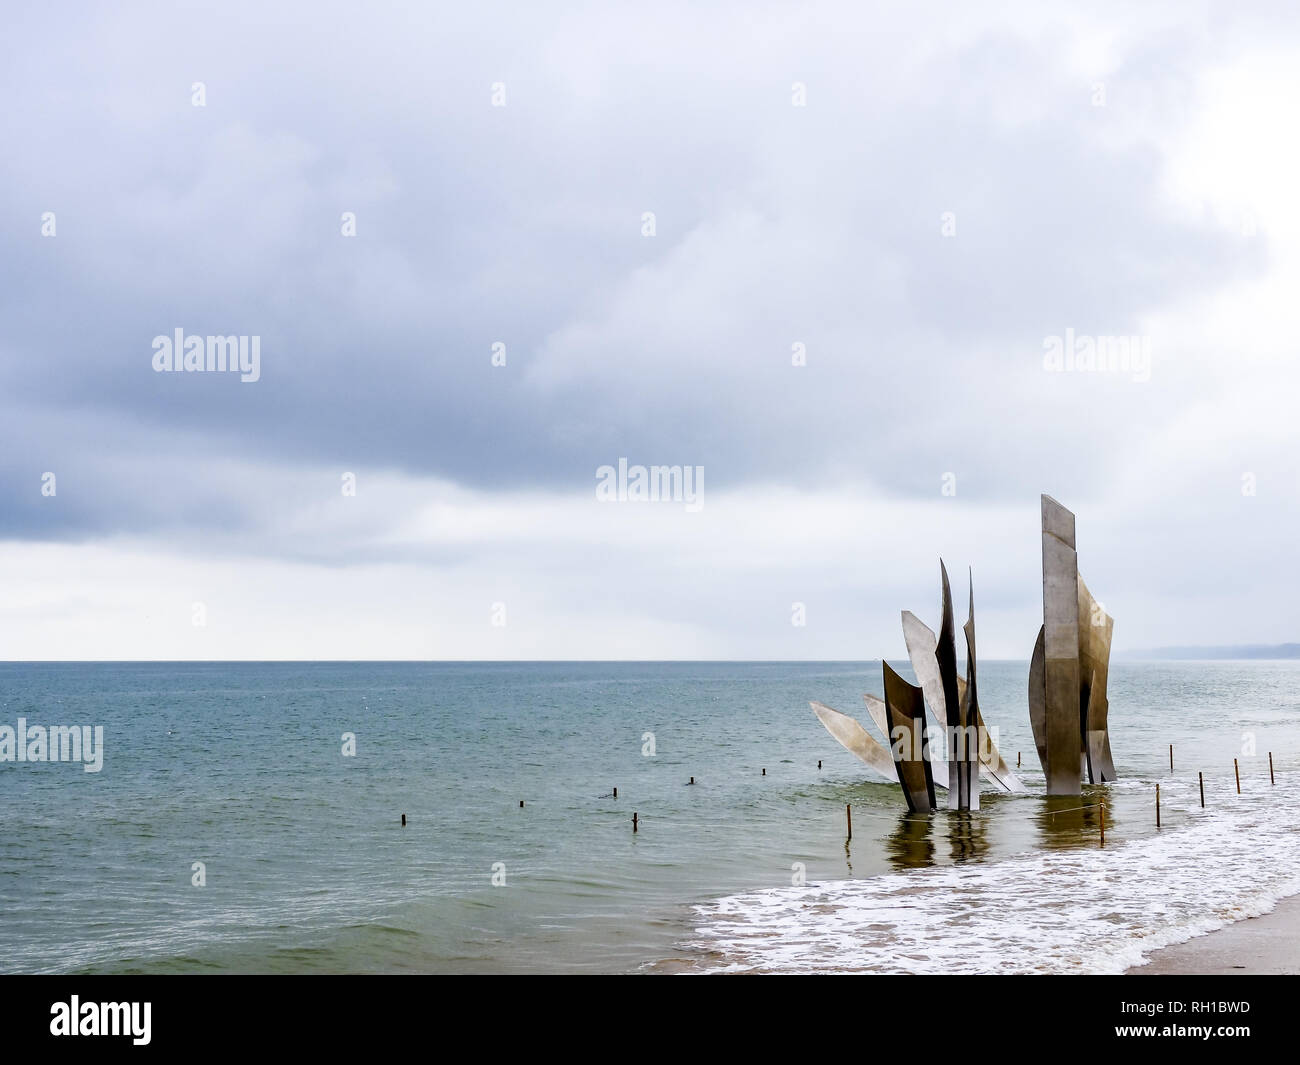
column 1270, row 768
column 1017, row 759
column 692, row 780
column 616, row 793
column 1171, row 758
column 819, row 763
column 634, row 821
column 1201, row 776
column 1157, row 806
column 403, row 820
column 1103, row 824
column 521, row 804
column 1237, row 770
column 848, row 816
column 764, row 771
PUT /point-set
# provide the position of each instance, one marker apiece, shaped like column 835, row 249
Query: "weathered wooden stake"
column 1017, row 759
column 403, row 820
column 819, row 763
column 1237, row 770
column 616, row 793
column 1157, row 806
column 848, row 816
column 1201, row 776
column 521, row 804
column 1270, row 768
column 634, row 822
column 1103, row 824
column 692, row 780
column 1171, row 758
column 765, row 771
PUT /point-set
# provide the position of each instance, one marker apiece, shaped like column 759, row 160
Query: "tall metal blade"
column 1095, row 630
column 938, row 766
column 1038, row 699
column 1061, row 649
column 905, row 706
column 970, row 739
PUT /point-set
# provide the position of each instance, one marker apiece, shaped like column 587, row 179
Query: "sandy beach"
column 1264, row 945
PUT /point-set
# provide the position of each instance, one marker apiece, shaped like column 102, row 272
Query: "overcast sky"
column 920, row 196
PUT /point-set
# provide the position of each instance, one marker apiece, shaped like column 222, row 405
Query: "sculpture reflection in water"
column 967, row 837
column 911, row 844
column 1063, row 821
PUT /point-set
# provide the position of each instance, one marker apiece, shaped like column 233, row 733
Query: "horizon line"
column 1131, row 655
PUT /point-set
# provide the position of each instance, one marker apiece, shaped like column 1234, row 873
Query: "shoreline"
column 1267, row 945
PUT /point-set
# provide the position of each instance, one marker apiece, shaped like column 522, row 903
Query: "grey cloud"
column 521, row 224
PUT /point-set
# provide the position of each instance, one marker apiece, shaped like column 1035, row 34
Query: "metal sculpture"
column 1068, row 703
column 954, row 704
column 1062, row 734
column 921, row 645
column 876, row 708
column 960, row 769
column 905, row 714
column 1095, row 629
column 1038, row 700
column 968, row 733
column 855, row 739
column 1068, row 670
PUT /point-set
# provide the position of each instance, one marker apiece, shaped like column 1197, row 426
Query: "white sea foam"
column 1059, row 911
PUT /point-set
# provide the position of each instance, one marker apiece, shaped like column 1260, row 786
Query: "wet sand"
column 1266, row 945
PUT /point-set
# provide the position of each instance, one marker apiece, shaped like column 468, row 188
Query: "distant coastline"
column 1238, row 651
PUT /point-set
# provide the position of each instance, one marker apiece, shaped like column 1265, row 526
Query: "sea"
column 248, row 818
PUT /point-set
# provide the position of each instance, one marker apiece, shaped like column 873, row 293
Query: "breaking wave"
column 1084, row 910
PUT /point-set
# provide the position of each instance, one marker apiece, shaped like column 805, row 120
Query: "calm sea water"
column 308, row 868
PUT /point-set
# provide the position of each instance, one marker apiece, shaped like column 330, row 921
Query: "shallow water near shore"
column 308, row 868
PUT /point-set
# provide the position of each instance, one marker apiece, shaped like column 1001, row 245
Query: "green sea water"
column 307, row 867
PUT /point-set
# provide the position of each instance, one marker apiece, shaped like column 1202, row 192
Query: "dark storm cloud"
column 521, row 224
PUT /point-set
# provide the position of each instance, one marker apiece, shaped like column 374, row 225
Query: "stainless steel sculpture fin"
column 945, row 656
column 921, row 642
column 908, row 742
column 1060, row 650
column 1038, row 700
column 856, row 740
column 1068, row 704
column 938, row 766
column 1095, row 630
column 970, row 737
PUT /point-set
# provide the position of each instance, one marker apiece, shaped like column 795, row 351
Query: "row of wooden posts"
column 848, row 807
column 1200, row 781
column 1236, row 769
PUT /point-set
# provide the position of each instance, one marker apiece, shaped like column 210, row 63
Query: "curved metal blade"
column 856, row 740
column 1038, row 698
column 905, row 705
column 921, row 643
column 876, row 708
column 1095, row 629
